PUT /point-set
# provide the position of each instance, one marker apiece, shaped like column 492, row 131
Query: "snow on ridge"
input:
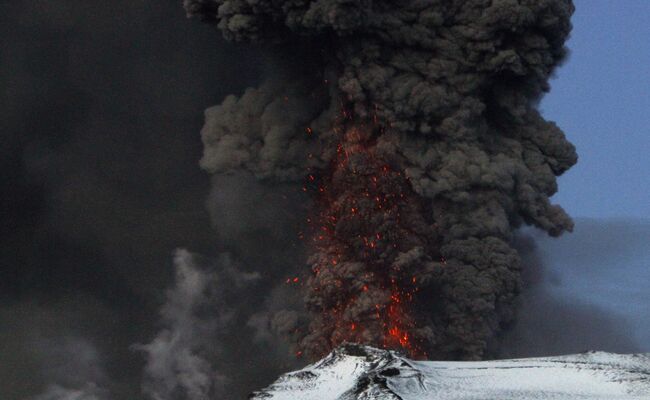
column 364, row 373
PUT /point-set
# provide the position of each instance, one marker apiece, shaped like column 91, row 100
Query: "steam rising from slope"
column 446, row 94
column 180, row 360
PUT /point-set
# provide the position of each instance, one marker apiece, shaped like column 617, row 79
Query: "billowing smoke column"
column 418, row 137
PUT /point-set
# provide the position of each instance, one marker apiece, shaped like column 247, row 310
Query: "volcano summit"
column 361, row 372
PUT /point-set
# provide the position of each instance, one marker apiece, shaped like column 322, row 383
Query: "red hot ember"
column 362, row 290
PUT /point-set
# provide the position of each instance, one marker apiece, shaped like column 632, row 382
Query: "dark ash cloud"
column 100, row 116
column 430, row 108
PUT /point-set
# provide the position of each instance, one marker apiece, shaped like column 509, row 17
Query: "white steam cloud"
column 182, row 360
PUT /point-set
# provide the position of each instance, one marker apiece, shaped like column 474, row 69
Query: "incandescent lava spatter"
column 414, row 125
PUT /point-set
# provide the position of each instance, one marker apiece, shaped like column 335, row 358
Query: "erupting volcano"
column 413, row 126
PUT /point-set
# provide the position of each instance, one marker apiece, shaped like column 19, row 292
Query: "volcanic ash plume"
column 417, row 135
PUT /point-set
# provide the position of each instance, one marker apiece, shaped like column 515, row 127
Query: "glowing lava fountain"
column 368, row 230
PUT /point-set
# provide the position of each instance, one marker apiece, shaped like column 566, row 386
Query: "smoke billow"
column 414, row 127
column 181, row 359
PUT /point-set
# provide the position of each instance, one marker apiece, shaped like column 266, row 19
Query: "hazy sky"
column 601, row 99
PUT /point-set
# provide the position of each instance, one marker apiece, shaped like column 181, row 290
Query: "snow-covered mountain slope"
column 364, row 373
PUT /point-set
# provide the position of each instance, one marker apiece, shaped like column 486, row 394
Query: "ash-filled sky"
column 101, row 109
